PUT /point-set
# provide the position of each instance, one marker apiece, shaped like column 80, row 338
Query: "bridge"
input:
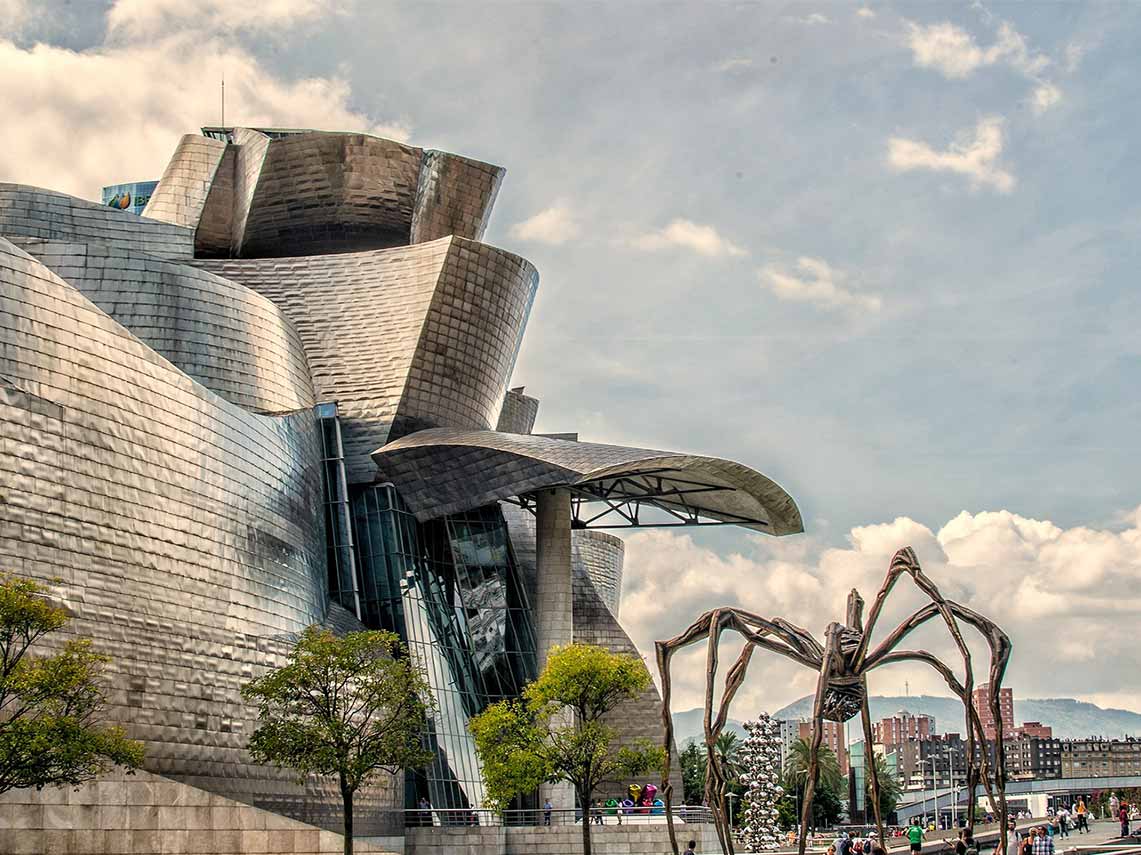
column 927, row 801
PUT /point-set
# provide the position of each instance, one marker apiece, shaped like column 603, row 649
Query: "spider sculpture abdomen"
column 843, row 699
column 844, row 691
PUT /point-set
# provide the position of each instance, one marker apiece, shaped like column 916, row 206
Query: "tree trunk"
column 584, row 800
column 347, row 796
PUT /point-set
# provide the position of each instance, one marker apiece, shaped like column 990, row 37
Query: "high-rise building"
column 281, row 398
column 1034, row 729
column 833, row 740
column 789, row 733
column 981, row 698
column 893, row 730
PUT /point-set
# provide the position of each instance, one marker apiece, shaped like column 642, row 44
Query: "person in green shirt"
column 915, row 835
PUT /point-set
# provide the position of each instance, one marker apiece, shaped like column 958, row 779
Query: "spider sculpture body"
column 842, row 664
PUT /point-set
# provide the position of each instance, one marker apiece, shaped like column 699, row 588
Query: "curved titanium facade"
column 445, row 470
column 230, row 339
column 185, row 533
column 180, row 196
column 262, row 195
column 401, row 338
column 30, row 212
column 601, row 556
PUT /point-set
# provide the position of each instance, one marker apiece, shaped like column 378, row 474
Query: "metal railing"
column 457, row 817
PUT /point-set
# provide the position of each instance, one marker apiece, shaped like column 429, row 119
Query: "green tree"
column 50, row 705
column 797, row 765
column 556, row 733
column 728, row 750
column 827, row 799
column 890, row 789
column 350, row 706
column 693, row 762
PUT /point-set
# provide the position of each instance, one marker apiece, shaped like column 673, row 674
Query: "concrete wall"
column 556, row 840
column 144, row 814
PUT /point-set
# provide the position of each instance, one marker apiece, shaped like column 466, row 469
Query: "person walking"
column 915, row 836
column 1083, row 821
column 1013, row 839
column 1123, row 816
column 1043, row 843
column 547, row 808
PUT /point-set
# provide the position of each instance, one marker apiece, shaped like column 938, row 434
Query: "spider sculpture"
column 842, row 690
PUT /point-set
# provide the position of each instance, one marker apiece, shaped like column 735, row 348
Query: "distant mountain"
column 691, row 725
column 1071, row 719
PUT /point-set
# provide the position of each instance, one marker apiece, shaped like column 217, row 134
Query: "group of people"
column 847, row 844
column 1038, row 840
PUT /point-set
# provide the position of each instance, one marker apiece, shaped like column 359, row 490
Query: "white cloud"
column 1074, row 54
column 114, row 113
column 554, row 225
column 13, row 13
column 141, row 18
column 953, row 51
column 818, row 283
column 1044, row 96
column 1063, row 595
column 704, row 240
column 865, row 12
column 975, row 157
column 815, row 18
column 734, row 64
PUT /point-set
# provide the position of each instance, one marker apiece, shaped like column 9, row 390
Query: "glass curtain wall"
column 451, row 589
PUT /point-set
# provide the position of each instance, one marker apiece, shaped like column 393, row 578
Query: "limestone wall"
column 555, row 840
column 144, row 814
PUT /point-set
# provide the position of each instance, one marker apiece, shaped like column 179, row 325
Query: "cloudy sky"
column 884, row 253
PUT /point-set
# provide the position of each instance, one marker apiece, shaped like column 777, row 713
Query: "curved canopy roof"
column 444, row 470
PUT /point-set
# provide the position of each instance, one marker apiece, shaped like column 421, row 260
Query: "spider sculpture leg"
column 978, row 765
column 831, row 654
column 870, row 764
column 777, row 636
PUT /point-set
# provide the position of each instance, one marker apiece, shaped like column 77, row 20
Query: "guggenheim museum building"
column 281, row 396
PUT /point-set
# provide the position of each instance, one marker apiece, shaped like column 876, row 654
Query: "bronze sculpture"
column 842, row 663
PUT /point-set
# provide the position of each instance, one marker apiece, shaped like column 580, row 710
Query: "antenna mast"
column 223, row 99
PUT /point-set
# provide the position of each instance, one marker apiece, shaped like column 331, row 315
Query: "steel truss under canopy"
column 626, row 496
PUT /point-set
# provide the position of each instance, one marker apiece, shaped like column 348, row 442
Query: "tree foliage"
column 890, row 790
column 728, row 748
column 693, row 763
column 556, row 733
column 50, row 705
column 829, row 793
column 350, row 706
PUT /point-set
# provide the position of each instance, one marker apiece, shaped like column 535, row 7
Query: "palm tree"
column 827, row 799
column 796, row 766
column 728, row 751
column 890, row 790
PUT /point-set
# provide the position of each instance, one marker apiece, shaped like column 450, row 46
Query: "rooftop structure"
column 282, row 397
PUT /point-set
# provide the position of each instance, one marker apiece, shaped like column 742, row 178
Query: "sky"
column 883, row 253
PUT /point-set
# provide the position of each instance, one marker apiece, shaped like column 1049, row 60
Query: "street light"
column 935, row 787
column 950, row 754
column 796, row 775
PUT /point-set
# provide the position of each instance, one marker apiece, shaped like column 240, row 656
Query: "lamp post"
column 796, row 787
column 950, row 752
column 935, row 787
